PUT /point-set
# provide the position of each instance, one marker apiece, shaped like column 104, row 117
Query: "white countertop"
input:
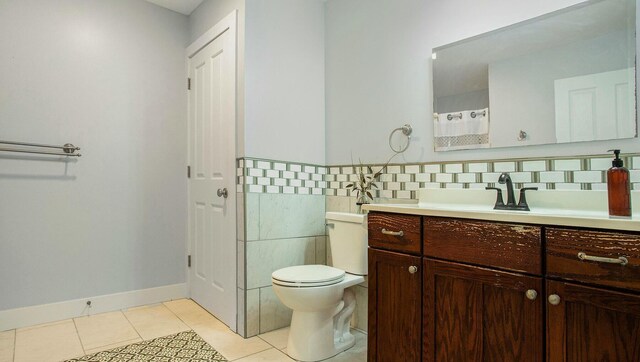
column 563, row 208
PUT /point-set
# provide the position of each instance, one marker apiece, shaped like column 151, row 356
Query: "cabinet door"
column 395, row 307
column 480, row 314
column 591, row 324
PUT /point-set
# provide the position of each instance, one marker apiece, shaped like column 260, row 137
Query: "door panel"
column 394, row 307
column 592, row 324
column 212, row 157
column 479, row 314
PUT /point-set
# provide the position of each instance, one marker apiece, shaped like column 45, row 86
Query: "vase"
column 361, row 200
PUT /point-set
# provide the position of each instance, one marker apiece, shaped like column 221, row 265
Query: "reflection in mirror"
column 567, row 76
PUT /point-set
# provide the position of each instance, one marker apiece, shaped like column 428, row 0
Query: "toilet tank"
column 348, row 241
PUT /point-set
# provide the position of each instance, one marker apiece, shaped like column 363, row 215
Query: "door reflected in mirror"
column 567, row 76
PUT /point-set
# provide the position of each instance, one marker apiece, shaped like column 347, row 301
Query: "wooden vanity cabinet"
column 491, row 291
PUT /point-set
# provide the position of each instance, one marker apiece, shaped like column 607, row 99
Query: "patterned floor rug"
column 181, row 347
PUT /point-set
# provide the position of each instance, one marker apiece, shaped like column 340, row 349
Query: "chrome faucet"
column 511, row 199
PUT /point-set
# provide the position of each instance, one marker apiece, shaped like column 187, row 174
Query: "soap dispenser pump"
column 619, row 188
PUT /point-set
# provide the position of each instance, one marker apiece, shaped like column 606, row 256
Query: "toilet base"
column 319, row 335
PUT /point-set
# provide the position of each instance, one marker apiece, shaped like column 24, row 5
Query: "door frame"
column 226, row 24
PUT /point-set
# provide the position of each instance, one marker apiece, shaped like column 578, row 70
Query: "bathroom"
column 319, row 86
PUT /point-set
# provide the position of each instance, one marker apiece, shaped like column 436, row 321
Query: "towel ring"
column 406, row 130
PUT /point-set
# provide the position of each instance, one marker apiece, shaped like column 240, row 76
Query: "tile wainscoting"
column 401, row 181
column 276, row 231
column 281, row 207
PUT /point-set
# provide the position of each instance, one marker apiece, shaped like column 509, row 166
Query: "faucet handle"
column 522, row 203
column 499, row 201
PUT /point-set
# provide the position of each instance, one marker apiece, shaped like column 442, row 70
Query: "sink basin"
column 556, row 202
column 548, row 207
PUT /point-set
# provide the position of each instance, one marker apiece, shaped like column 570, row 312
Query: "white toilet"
column 321, row 306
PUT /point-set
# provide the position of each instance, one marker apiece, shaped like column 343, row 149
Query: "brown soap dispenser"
column 618, row 187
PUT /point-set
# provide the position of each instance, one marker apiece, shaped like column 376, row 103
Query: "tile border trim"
column 401, row 181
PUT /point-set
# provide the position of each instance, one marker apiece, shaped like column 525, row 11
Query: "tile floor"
column 85, row 335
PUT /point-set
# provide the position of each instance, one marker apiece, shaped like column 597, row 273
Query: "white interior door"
column 598, row 106
column 212, row 193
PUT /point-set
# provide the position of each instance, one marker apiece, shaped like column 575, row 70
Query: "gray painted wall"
column 109, row 77
column 378, row 75
column 280, row 75
column 284, row 80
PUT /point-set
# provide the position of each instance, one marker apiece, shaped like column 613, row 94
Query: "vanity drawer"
column 566, row 247
column 397, row 232
column 497, row 245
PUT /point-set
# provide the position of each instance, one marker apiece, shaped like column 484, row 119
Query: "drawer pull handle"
column 554, row 299
column 394, row 233
column 620, row 260
column 413, row 269
column 531, row 294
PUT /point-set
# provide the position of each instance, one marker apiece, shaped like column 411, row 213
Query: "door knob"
column 413, row 269
column 223, row 193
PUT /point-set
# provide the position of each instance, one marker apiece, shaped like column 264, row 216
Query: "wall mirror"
column 566, row 76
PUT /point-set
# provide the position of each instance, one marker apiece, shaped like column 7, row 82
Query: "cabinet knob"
column 554, row 299
column 413, row 269
column 531, row 294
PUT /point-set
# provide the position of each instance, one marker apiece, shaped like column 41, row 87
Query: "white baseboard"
column 45, row 313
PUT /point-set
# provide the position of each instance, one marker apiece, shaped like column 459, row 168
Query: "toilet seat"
column 303, row 276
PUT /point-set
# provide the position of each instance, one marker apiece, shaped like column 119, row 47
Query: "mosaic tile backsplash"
column 402, row 181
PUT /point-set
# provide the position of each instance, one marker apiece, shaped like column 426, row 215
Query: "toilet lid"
column 307, row 275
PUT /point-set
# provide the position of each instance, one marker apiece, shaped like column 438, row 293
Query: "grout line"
column 15, row 339
column 287, row 238
column 267, row 342
column 102, row 348
column 177, row 316
column 75, row 326
column 182, row 320
column 239, row 358
column 131, row 324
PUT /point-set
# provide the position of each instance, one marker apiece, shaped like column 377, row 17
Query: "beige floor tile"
column 154, row 321
column 357, row 353
column 277, row 338
column 229, row 344
column 191, row 313
column 111, row 346
column 104, row 329
column 49, row 342
column 270, row 355
column 7, row 342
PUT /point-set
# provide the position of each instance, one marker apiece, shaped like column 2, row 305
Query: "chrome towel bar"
column 68, row 149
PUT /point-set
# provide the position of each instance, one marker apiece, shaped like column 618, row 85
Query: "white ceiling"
column 181, row 6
